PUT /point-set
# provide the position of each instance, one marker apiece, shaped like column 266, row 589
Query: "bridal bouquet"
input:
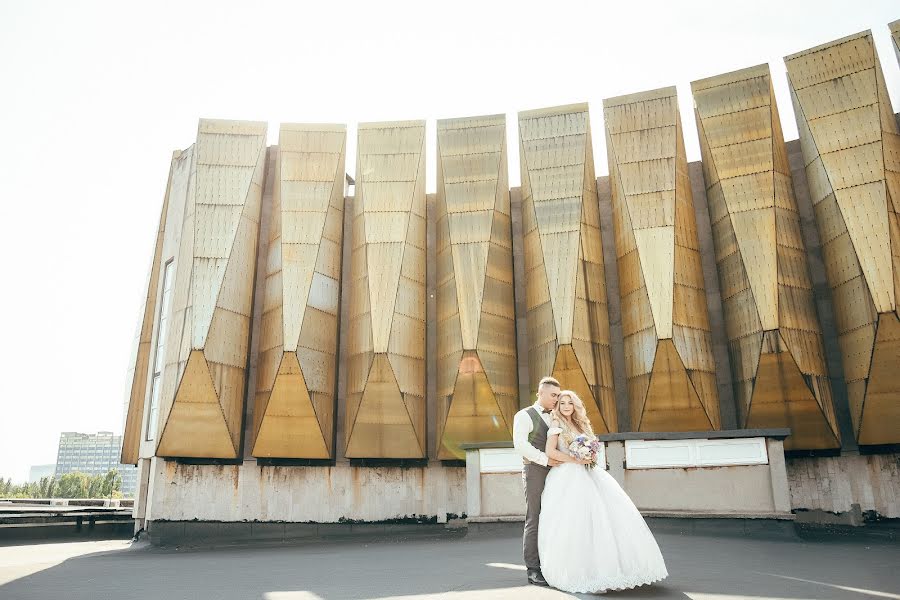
column 586, row 448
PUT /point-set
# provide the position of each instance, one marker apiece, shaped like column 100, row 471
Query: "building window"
column 159, row 355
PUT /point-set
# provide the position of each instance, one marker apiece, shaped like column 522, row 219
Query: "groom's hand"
column 552, row 462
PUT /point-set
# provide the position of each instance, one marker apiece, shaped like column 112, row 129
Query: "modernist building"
column 37, row 472
column 309, row 355
column 94, row 454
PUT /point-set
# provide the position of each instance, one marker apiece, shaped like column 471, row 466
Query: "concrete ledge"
column 778, row 434
column 215, row 533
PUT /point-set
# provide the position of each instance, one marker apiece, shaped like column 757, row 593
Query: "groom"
column 530, row 440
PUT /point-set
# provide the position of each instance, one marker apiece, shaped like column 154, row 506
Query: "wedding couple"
column 582, row 532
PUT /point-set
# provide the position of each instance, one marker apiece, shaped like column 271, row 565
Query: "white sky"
column 95, row 96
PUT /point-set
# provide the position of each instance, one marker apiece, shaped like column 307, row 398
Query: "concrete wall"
column 502, row 494
column 248, row 492
column 745, row 490
column 835, row 484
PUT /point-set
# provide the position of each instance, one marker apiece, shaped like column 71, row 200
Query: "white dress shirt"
column 522, row 426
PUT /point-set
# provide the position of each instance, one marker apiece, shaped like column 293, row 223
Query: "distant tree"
column 70, row 485
column 73, row 485
column 111, row 483
column 46, row 487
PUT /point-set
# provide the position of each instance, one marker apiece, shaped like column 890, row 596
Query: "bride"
column 591, row 537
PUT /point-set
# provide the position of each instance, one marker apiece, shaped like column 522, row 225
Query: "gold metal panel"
column 644, row 144
column 289, row 428
column 783, row 399
column 469, row 265
column 732, row 128
column 562, row 251
column 474, row 413
column 637, row 314
column 477, row 396
column 881, row 407
column 745, row 158
column 294, row 413
column 831, row 60
column 384, row 262
column 847, row 131
column 297, row 269
column 656, row 236
column 807, row 350
column 656, row 249
column 652, row 209
column 865, row 214
column 672, row 403
column 196, row 424
column 382, row 426
column 755, row 233
column 208, row 338
column 562, row 267
column 745, row 352
column 854, row 94
column 695, row 349
column 387, row 401
column 761, row 260
column 567, row 370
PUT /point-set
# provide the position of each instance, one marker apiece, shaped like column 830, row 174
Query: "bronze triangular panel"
column 384, row 262
column 469, row 267
column 782, row 398
column 382, row 428
column 290, row 428
column 881, row 409
column 672, row 403
column 569, row 373
column 196, row 426
column 475, row 415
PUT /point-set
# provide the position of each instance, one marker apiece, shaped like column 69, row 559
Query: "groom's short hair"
column 548, row 381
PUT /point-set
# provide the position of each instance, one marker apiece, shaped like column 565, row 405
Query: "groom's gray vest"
column 538, row 435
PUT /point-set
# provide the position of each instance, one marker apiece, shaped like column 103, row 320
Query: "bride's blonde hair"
column 579, row 417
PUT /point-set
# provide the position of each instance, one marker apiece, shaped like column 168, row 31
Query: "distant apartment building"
column 36, row 472
column 94, row 454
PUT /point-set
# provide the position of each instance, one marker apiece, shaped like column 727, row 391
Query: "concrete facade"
column 846, row 484
column 249, row 492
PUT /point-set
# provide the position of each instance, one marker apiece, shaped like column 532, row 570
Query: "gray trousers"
column 534, row 477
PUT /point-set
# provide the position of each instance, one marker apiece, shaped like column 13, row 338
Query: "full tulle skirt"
column 591, row 537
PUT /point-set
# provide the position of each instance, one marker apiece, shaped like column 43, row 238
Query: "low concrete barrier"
column 40, row 520
column 713, row 474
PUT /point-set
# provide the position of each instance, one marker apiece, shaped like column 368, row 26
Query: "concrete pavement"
column 476, row 566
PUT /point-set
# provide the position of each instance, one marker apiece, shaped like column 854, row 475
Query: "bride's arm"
column 552, row 450
column 555, row 453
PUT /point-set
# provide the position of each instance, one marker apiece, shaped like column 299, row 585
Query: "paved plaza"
column 476, row 566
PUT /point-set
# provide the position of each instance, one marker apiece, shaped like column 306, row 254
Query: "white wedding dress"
column 591, row 537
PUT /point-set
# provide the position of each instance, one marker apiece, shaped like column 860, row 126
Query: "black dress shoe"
column 535, row 577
